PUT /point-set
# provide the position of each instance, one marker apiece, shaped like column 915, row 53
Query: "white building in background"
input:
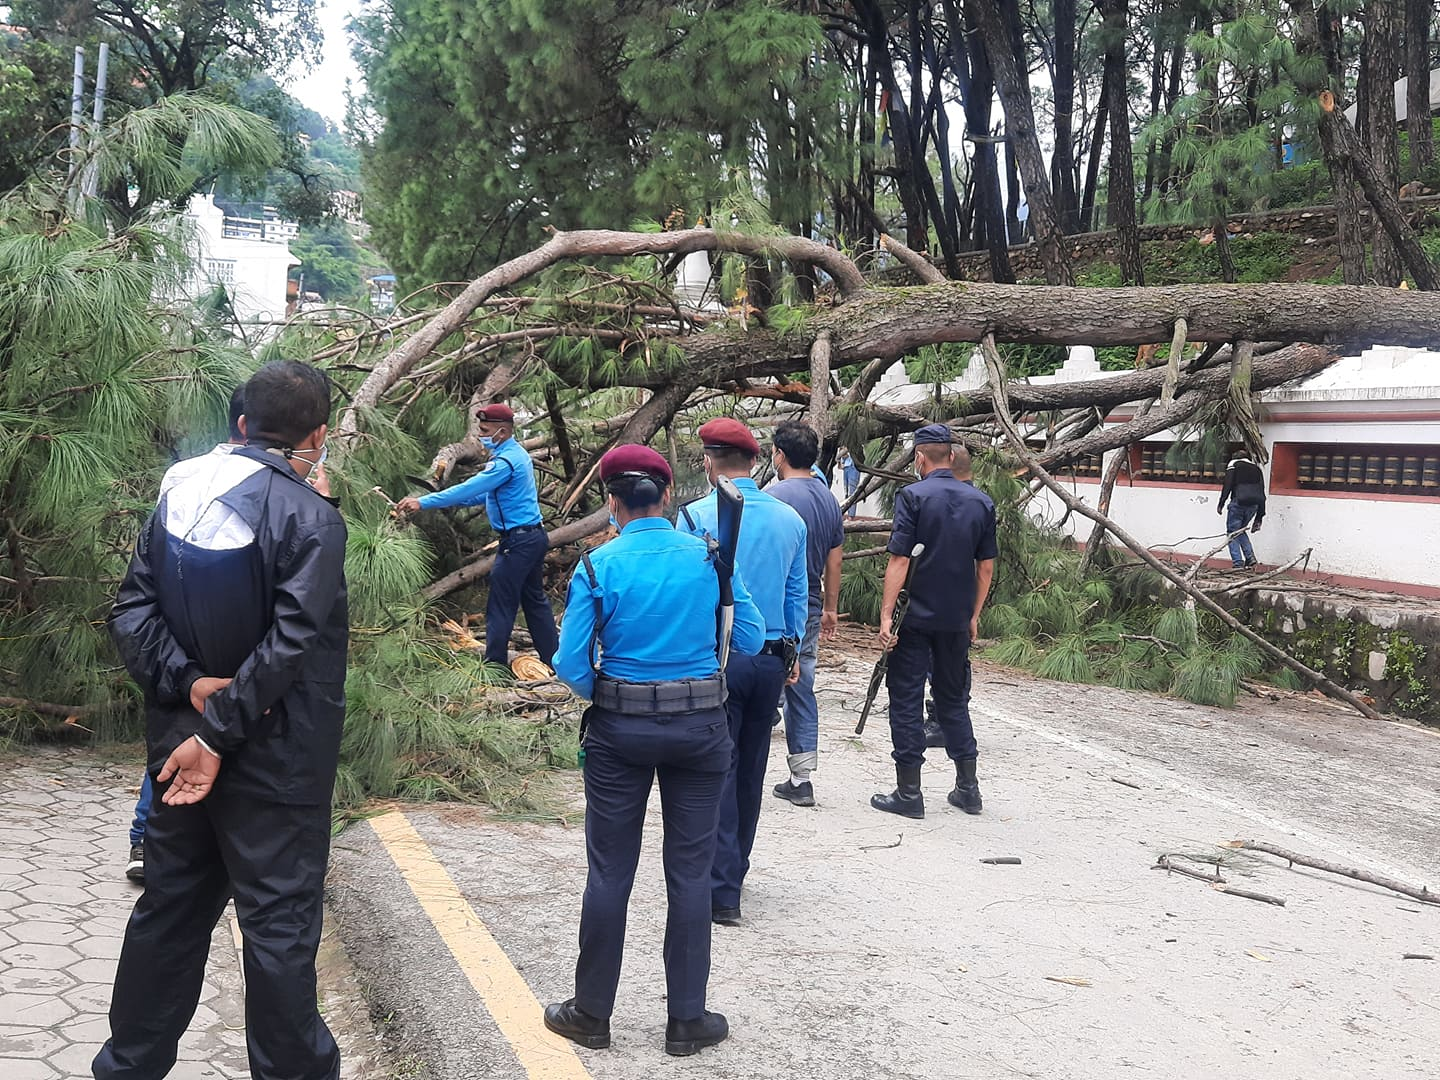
column 250, row 257
column 1354, row 471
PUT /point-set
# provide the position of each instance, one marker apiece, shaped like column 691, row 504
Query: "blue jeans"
column 142, row 812
column 1239, row 517
column 802, row 712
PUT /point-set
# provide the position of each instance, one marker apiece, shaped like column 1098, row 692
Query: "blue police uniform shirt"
column 956, row 523
column 813, row 500
column 506, row 485
column 658, row 599
column 771, row 551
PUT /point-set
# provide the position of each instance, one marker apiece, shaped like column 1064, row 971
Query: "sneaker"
column 802, row 794
column 135, row 868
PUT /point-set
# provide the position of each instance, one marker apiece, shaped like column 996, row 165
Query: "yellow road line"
column 544, row 1055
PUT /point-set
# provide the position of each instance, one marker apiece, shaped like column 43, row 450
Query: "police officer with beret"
column 771, row 553
column 956, row 523
column 507, row 488
column 640, row 642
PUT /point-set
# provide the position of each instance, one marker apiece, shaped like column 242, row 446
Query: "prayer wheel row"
column 1154, row 465
column 1370, row 470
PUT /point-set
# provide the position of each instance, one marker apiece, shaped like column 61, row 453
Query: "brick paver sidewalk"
column 64, row 901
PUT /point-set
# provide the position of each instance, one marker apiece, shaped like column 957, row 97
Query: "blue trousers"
column 517, row 581
column 1238, row 516
column 623, row 756
column 142, row 811
column 802, row 711
column 945, row 655
column 271, row 857
column 754, row 683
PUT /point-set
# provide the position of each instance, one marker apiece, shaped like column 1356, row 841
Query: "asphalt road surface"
column 874, row 946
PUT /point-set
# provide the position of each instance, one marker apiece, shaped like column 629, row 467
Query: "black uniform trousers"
column 271, row 857
column 755, row 684
column 945, row 656
column 624, row 753
column 517, row 581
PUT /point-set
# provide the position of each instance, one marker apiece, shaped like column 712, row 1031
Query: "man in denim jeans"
column 1244, row 487
column 796, row 448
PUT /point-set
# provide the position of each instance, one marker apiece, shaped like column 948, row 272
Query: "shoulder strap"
column 599, row 610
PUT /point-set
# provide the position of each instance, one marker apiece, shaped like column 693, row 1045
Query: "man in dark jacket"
column 1244, row 487
column 233, row 621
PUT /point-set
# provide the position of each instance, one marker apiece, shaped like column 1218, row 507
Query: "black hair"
column 730, row 457
column 237, row 410
column 285, row 401
column 637, row 490
column 798, row 442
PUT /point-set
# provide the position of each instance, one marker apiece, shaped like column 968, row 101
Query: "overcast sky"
column 322, row 88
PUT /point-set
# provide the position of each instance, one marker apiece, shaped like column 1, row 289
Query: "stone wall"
column 1391, row 654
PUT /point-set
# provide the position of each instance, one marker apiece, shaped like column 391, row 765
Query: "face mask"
column 324, row 452
column 487, row 442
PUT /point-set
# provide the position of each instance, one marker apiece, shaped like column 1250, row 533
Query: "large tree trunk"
column 1024, row 141
column 977, row 90
column 1316, row 34
column 1092, row 168
column 1418, row 15
column 1121, row 205
column 1379, row 68
column 1062, row 164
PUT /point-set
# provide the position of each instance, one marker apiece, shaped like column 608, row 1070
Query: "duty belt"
column 659, row 698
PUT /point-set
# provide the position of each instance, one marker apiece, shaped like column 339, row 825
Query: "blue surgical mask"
column 487, row 442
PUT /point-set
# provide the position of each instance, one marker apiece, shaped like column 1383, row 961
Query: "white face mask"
column 323, row 450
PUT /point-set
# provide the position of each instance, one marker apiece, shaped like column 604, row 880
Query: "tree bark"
column 1379, row 68
column 1062, row 164
column 977, row 90
column 1421, row 132
column 1120, row 208
column 1383, row 198
column 1092, row 167
column 1024, row 142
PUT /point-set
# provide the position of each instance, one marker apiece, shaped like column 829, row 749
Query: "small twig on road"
column 1422, row 893
column 1231, row 890
column 1164, row 863
column 1003, row 860
column 1126, row 783
column 1417, row 956
column 882, row 847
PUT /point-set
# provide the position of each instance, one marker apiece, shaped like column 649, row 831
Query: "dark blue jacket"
column 240, row 574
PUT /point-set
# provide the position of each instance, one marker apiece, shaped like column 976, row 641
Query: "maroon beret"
column 496, row 414
column 727, row 433
column 634, row 458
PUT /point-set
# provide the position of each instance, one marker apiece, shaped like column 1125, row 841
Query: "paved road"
column 874, row 946
column 64, row 902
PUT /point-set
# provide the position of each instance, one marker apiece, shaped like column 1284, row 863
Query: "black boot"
column 967, row 789
column 906, row 799
column 934, row 737
column 577, row 1025
column 686, row 1037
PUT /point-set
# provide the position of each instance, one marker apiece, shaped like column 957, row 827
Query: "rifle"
column 902, row 605
column 729, row 506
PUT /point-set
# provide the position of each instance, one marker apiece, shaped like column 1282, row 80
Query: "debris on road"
column 1422, row 892
column 1003, row 860
column 1068, row 980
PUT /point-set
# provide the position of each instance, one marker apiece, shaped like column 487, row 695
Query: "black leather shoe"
column 934, row 737
column 686, row 1037
column 577, row 1025
column 800, row 794
column 966, row 795
column 725, row 916
column 906, row 799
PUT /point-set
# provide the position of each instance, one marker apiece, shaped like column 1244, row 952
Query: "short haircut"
column 637, row 492
column 962, row 467
column 285, row 401
column 936, row 452
column 798, row 442
column 237, row 410
column 729, row 457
